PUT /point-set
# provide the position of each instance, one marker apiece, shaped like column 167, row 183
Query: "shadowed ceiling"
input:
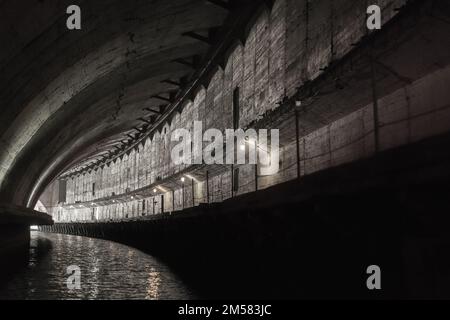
column 70, row 97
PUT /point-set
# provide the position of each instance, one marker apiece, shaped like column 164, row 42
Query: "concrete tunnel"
column 362, row 116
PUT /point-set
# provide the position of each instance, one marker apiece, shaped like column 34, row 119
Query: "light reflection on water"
column 108, row 271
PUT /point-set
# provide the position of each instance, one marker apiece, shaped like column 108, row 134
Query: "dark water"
column 108, row 270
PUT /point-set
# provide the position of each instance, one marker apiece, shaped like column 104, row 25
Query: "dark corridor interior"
column 124, row 124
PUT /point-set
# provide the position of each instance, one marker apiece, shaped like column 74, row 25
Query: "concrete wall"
column 312, row 237
column 285, row 47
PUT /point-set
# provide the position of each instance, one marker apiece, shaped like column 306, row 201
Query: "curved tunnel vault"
column 363, row 120
column 67, row 95
column 71, row 99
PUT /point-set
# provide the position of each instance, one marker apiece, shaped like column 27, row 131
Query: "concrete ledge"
column 11, row 214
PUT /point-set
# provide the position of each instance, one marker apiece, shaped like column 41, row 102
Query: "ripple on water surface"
column 108, row 271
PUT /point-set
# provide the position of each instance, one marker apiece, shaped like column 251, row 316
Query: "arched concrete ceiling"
column 68, row 96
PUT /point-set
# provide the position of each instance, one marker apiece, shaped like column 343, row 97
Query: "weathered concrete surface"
column 53, row 78
column 71, row 97
column 55, row 83
column 314, row 237
column 12, row 214
column 336, row 120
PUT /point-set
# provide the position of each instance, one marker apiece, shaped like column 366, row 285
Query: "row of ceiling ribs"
column 219, row 40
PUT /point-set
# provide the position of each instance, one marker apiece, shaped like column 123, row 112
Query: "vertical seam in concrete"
column 408, row 110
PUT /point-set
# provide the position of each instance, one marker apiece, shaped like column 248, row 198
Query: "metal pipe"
column 232, row 181
column 207, row 186
column 297, row 140
column 192, row 187
column 256, row 176
column 173, row 200
column 375, row 103
column 183, row 197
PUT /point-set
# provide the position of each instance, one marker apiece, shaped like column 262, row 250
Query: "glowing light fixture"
column 250, row 141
